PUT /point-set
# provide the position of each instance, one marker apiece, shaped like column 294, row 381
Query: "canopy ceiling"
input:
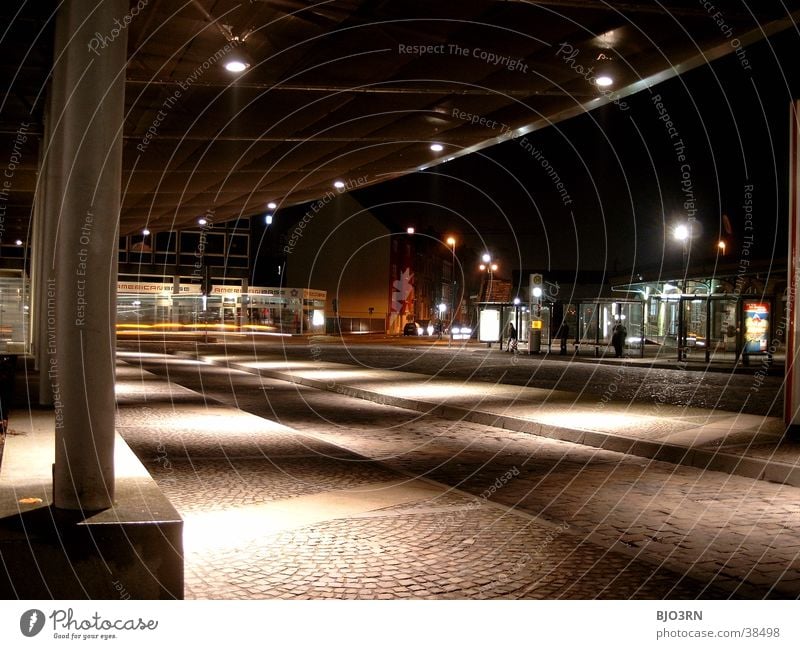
column 348, row 90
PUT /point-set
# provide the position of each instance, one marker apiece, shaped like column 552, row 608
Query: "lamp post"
column 684, row 232
column 681, row 233
column 451, row 241
column 442, row 309
column 490, row 267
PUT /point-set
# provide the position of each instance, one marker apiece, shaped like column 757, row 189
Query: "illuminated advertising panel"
column 489, row 326
column 756, row 327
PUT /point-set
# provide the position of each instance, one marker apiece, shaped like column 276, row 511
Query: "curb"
column 754, row 468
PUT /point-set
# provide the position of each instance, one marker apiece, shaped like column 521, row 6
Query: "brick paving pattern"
column 626, row 526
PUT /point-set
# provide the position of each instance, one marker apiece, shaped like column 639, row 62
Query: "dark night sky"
column 624, row 176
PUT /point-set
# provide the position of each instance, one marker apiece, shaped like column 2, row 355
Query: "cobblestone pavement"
column 608, row 524
column 748, row 392
column 706, row 438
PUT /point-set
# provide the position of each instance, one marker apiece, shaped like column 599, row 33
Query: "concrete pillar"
column 88, row 129
column 37, row 224
column 176, row 303
column 792, row 383
column 49, row 187
column 244, row 305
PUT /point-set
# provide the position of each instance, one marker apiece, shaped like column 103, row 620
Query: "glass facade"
column 154, row 306
column 14, row 313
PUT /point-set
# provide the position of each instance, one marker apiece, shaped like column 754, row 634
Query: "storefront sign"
column 156, row 288
column 314, row 294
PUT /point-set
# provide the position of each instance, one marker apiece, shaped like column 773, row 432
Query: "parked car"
column 412, row 329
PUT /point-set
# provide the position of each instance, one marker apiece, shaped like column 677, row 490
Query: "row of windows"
column 171, row 259
column 188, row 244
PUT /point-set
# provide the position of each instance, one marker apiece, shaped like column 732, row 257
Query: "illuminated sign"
column 313, row 294
column 221, row 289
column 166, row 288
column 756, row 327
column 489, row 328
column 156, row 288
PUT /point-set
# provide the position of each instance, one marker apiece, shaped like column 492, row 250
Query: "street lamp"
column 451, row 241
column 683, row 233
column 489, row 267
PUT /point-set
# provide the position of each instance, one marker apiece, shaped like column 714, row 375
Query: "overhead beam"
column 630, row 7
column 205, row 137
column 377, row 89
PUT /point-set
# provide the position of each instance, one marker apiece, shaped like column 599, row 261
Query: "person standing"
column 563, row 335
column 512, row 337
column 618, row 338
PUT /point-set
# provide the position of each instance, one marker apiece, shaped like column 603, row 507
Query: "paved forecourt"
column 275, row 512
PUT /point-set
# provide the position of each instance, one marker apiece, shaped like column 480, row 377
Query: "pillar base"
column 133, row 550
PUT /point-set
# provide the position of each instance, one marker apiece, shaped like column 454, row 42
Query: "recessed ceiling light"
column 410, row 230
column 338, row 184
column 18, row 242
column 604, row 81
column 271, row 205
column 202, row 221
column 436, row 147
column 145, row 232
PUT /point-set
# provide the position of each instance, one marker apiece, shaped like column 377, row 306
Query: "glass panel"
column 14, row 315
column 631, row 314
column 722, row 343
column 238, row 245
column 587, row 323
column 668, row 323
column 166, row 241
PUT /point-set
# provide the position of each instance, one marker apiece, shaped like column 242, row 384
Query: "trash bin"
column 535, row 344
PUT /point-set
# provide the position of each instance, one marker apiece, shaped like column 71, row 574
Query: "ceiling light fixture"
column 603, row 81
column 237, row 60
column 338, row 184
column 437, row 147
column 272, row 205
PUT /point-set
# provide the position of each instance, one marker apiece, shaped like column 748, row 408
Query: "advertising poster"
column 402, row 285
column 489, row 329
column 756, row 327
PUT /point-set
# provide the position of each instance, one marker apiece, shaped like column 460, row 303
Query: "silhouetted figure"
column 618, row 339
column 563, row 335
